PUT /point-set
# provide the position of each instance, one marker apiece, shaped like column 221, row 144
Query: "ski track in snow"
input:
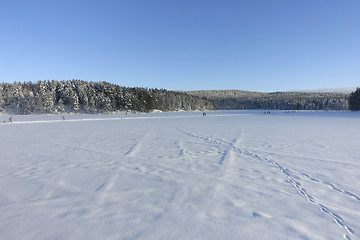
column 224, row 166
column 105, row 188
column 135, row 147
column 288, row 173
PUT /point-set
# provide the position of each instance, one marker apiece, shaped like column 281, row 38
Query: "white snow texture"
column 227, row 175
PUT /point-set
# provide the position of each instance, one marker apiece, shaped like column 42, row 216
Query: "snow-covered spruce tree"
column 354, row 100
column 1, row 101
column 49, row 101
column 39, row 104
column 60, row 107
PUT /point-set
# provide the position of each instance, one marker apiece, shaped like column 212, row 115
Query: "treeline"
column 76, row 96
column 237, row 99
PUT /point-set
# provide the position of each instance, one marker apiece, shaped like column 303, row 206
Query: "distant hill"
column 346, row 90
column 239, row 99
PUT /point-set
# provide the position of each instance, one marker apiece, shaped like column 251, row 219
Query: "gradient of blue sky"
column 260, row 45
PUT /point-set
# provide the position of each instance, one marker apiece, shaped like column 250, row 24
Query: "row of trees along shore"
column 237, row 99
column 77, row 96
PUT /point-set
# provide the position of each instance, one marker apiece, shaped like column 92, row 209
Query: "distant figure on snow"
column 10, row 119
column 63, row 117
column 204, row 114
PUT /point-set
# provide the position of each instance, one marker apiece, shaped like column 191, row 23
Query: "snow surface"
column 229, row 175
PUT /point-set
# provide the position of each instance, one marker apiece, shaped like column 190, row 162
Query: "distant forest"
column 76, row 96
column 237, row 99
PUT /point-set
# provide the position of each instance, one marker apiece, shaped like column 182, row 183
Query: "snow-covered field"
column 229, row 175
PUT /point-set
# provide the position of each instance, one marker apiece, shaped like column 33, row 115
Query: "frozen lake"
column 229, row 175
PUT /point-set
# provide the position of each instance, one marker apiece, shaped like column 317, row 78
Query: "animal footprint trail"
column 335, row 188
column 336, row 217
column 302, row 191
column 227, row 156
column 332, row 186
column 207, row 139
column 288, row 173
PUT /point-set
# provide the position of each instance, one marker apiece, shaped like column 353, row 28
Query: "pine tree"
column 49, row 101
column 354, row 100
column 60, row 107
column 75, row 103
column 1, row 101
column 39, row 104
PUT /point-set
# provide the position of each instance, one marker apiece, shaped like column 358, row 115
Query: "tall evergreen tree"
column 354, row 100
column 39, row 104
column 60, row 107
column 1, row 102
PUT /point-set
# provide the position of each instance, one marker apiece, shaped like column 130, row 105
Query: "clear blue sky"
column 260, row 45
